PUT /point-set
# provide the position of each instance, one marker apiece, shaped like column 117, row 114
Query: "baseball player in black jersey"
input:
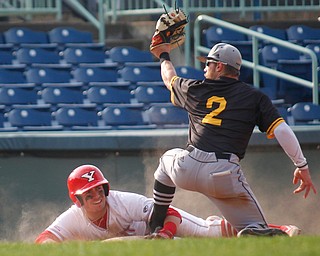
column 223, row 112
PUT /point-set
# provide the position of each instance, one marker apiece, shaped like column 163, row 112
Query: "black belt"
column 219, row 155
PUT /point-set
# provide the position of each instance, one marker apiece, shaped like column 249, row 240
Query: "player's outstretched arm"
column 289, row 142
column 46, row 237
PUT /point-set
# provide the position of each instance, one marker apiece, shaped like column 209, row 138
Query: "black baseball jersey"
column 223, row 113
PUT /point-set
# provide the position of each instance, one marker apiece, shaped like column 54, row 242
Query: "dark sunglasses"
column 214, row 61
column 211, row 61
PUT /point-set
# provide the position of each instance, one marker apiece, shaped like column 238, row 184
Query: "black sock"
column 162, row 196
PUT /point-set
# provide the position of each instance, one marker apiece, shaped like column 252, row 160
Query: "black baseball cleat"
column 261, row 232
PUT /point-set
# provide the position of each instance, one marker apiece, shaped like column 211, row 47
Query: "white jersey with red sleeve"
column 128, row 214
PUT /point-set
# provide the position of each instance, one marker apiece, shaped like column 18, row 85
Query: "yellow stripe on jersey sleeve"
column 273, row 126
column 173, row 79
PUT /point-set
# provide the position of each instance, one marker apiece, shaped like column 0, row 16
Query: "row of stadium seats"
column 74, row 56
column 60, row 37
column 121, row 116
column 87, row 117
column 88, row 75
column 98, row 94
column 38, row 67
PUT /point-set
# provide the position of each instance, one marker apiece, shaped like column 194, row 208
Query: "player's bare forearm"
column 167, row 72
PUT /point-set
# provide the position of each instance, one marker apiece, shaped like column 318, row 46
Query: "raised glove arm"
column 169, row 32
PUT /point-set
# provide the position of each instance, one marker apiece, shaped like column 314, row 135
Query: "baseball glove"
column 169, row 32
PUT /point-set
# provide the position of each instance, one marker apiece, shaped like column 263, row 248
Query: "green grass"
column 302, row 245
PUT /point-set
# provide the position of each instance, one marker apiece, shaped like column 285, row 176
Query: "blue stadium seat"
column 271, row 54
column 41, row 75
column 6, row 57
column 91, row 74
column 274, row 32
column 290, row 62
column 2, row 40
column 58, row 94
column 124, row 116
column 127, row 54
column 102, row 95
column 305, row 113
column 63, row 35
column 302, row 34
column 190, row 72
column 31, row 56
column 20, row 36
column 77, row 116
column 140, row 74
column 18, row 94
column 78, row 55
column 167, row 116
column 217, row 34
column 32, row 117
column 12, row 76
column 3, row 44
column 68, row 36
column 148, row 94
column 5, row 126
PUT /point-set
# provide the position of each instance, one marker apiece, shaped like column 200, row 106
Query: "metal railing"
column 27, row 8
column 116, row 9
column 254, row 65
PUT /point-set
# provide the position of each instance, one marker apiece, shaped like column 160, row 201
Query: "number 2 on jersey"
column 211, row 117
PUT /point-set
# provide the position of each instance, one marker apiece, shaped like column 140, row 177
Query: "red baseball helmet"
column 82, row 179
